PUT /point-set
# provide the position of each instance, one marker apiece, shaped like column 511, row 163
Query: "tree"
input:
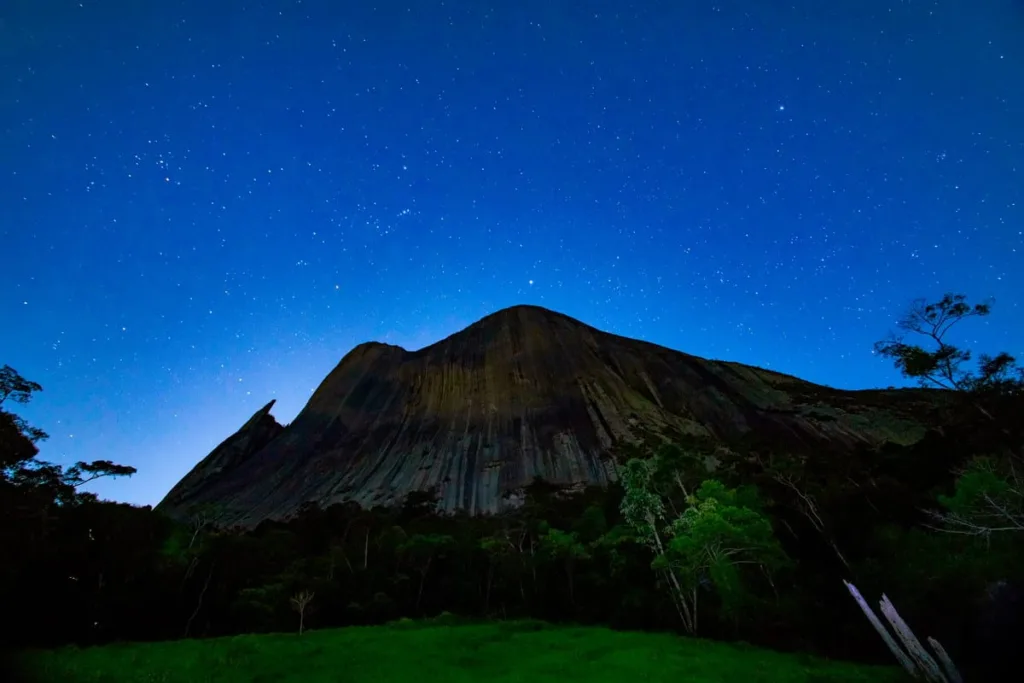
column 18, row 439
column 18, row 450
column 716, row 536
column 501, row 553
column 706, row 545
column 17, row 447
column 60, row 485
column 988, row 498
column 14, row 387
column 644, row 511
column 943, row 367
column 37, row 497
column 422, row 550
column 201, row 516
column 566, row 547
column 299, row 603
column 788, row 472
column 83, row 472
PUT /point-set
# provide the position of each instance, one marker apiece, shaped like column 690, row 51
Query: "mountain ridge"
column 523, row 392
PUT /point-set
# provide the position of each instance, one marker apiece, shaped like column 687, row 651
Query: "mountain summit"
column 523, row 393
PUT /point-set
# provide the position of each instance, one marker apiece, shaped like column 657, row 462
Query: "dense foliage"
column 731, row 543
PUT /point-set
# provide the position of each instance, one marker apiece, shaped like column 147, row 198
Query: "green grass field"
column 425, row 652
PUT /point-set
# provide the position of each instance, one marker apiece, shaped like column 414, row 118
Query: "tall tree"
column 944, row 366
column 704, row 546
column 644, row 511
column 720, row 533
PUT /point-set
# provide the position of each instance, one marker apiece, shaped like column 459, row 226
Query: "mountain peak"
column 527, row 313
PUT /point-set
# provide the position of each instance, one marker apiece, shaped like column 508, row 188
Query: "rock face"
column 524, row 392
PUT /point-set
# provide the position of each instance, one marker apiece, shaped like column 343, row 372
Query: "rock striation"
column 523, row 393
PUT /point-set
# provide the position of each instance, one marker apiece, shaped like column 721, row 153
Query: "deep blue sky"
column 204, row 205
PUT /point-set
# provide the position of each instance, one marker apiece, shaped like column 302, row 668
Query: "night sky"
column 204, row 205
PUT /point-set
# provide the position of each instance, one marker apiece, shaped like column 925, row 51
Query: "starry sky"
column 205, row 205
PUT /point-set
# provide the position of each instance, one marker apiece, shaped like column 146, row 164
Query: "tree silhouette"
column 18, row 439
column 943, row 367
column 14, row 387
column 18, row 450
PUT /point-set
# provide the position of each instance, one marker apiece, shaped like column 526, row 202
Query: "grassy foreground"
column 425, row 652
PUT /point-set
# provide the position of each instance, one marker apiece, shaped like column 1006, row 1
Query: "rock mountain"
column 524, row 392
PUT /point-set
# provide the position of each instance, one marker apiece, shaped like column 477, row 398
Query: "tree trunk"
column 679, row 597
column 902, row 657
column 423, row 580
column 366, row 548
column 487, row 591
column 533, row 565
column 199, row 602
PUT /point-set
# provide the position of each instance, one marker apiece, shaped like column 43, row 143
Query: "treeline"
column 732, row 543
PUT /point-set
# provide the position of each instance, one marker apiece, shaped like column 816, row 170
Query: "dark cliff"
column 524, row 392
